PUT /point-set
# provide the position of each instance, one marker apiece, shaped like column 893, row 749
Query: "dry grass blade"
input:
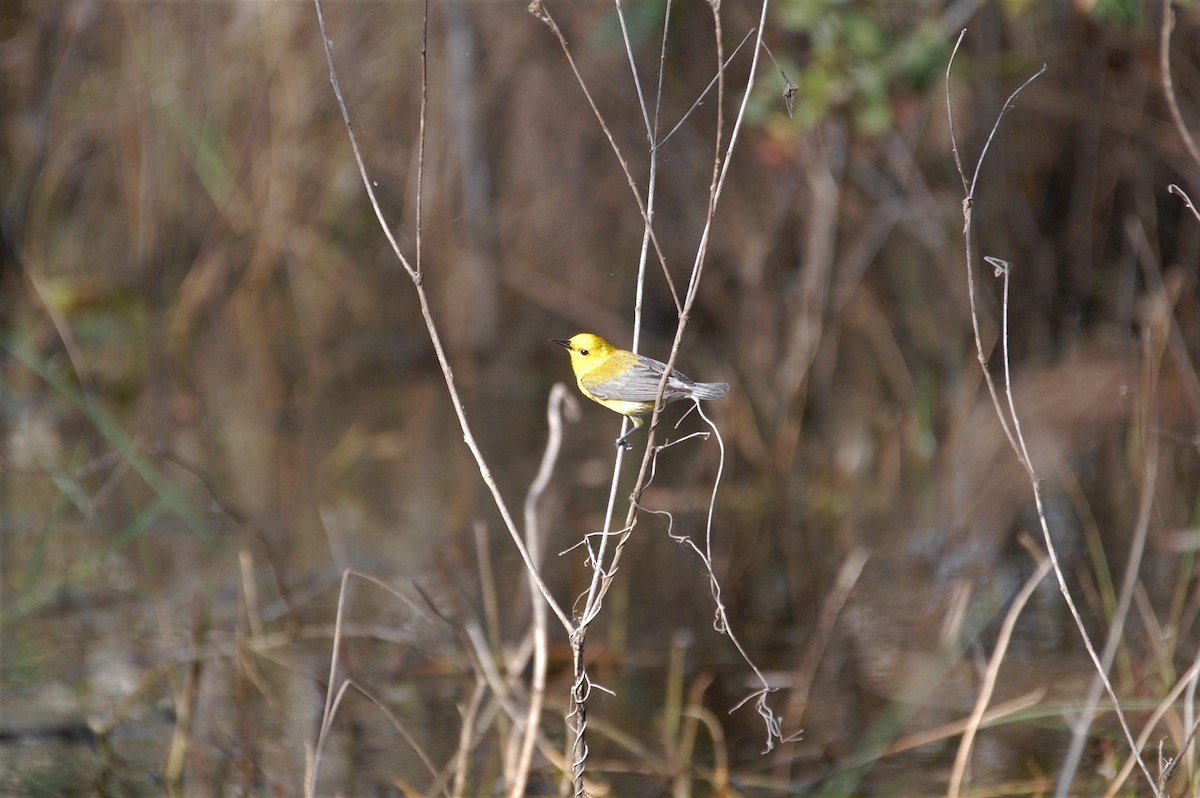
column 847, row 577
column 975, row 721
column 1155, row 336
column 946, row 730
column 310, row 778
column 1118, row 782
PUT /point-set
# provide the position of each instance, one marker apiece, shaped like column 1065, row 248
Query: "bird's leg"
column 623, row 441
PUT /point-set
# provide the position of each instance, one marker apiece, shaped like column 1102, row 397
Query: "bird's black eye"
column 583, row 352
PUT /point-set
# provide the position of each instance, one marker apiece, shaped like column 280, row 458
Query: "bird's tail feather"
column 710, row 390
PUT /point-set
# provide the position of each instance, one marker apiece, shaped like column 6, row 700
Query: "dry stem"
column 1010, row 420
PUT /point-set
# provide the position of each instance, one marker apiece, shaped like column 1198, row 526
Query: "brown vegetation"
column 217, row 392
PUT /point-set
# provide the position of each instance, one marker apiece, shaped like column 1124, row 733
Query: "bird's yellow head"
column 587, row 351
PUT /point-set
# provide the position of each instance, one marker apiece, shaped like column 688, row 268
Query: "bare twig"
column 413, row 271
column 720, row 173
column 790, row 87
column 606, row 556
column 721, row 615
column 633, row 71
column 1174, row 189
column 1172, row 763
column 1168, row 85
column 598, row 557
column 416, row 275
column 1011, row 426
column 721, row 163
column 577, row 717
column 333, row 699
column 539, row 10
column 1117, row 783
column 559, row 397
column 423, row 116
column 1189, row 715
column 708, row 88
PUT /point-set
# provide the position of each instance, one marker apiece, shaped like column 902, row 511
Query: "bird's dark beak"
column 563, row 342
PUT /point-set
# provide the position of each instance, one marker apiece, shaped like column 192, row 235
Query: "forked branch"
column 1007, row 415
column 414, row 270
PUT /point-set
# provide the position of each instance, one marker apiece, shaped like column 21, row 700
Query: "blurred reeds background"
column 216, row 391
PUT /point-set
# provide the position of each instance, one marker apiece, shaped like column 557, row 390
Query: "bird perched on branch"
column 626, row 382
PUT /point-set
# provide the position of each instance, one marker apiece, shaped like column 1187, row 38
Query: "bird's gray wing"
column 639, row 383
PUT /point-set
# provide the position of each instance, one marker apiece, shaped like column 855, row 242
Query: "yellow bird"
column 627, row 382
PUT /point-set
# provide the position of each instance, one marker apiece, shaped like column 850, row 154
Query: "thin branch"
column 708, row 88
column 721, row 615
column 633, row 71
column 598, row 557
column 1168, row 85
column 333, row 698
column 1174, row 189
column 358, row 158
column 790, row 87
column 434, row 336
column 712, row 499
column 697, row 268
column 1117, row 782
column 958, row 164
column 721, row 164
column 1171, row 764
column 605, row 565
column 424, row 114
column 559, row 398
column 1013, row 430
column 538, row 9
